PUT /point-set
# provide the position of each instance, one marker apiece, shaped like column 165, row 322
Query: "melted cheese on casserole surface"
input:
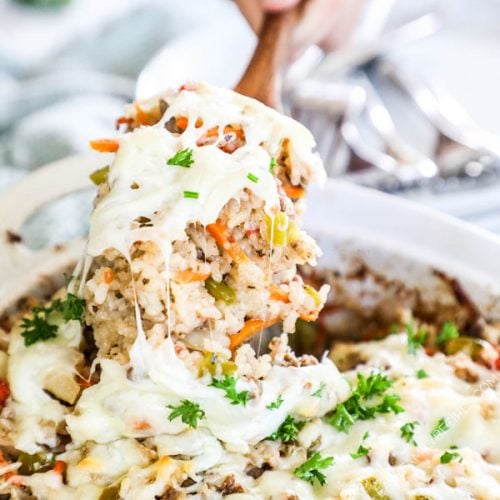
column 223, row 444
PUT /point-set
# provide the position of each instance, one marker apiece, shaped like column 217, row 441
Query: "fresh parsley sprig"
column 416, row 338
column 189, row 412
column 183, row 158
column 272, row 164
column 449, row 331
column 408, row 432
column 362, row 450
column 275, row 404
column 228, row 385
column 355, row 408
column 448, row 456
column 440, row 427
column 288, row 430
column 319, row 392
column 42, row 325
column 310, row 470
column 421, row 373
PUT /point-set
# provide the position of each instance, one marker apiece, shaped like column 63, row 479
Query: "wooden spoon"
column 262, row 78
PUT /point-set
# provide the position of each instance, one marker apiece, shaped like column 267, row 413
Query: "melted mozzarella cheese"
column 112, row 408
column 215, row 176
column 37, row 413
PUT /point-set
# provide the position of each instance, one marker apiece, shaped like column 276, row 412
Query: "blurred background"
column 408, row 106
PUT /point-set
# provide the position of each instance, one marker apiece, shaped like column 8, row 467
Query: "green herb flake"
column 272, row 164
column 71, row 308
column 253, row 178
column 37, row 328
column 191, row 194
column 228, row 385
column 408, row 432
column 422, row 373
column 362, row 450
column 43, row 323
column 182, row 158
column 448, row 331
column 319, row 392
column 275, row 404
column 355, row 408
column 189, row 412
column 416, row 338
column 310, row 470
column 440, row 427
column 288, row 430
column 448, row 456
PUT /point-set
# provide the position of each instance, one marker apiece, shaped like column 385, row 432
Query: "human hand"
column 327, row 23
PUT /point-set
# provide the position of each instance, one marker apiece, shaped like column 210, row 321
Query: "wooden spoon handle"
column 262, row 78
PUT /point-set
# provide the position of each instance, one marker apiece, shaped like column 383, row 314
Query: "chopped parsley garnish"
column 189, row 412
column 275, row 404
column 288, row 430
column 408, row 432
column 416, row 338
column 319, row 392
column 191, row 194
column 422, row 373
column 183, row 158
column 448, row 456
column 310, row 470
column 253, row 178
column 72, row 307
column 362, row 450
column 355, row 408
column 43, row 323
column 228, row 385
column 272, row 164
column 448, row 331
column 440, row 427
column 37, row 328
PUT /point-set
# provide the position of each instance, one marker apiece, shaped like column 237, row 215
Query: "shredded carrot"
column 250, row 328
column 59, row 467
column 221, row 235
column 108, row 276
column 181, row 122
column 4, row 392
column 140, row 115
column 141, row 425
column 236, row 129
column 122, row 120
column 198, row 123
column 105, row 145
column 190, row 276
column 294, row 191
column 212, row 132
column 278, row 294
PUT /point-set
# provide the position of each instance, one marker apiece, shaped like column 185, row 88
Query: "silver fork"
column 461, row 146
